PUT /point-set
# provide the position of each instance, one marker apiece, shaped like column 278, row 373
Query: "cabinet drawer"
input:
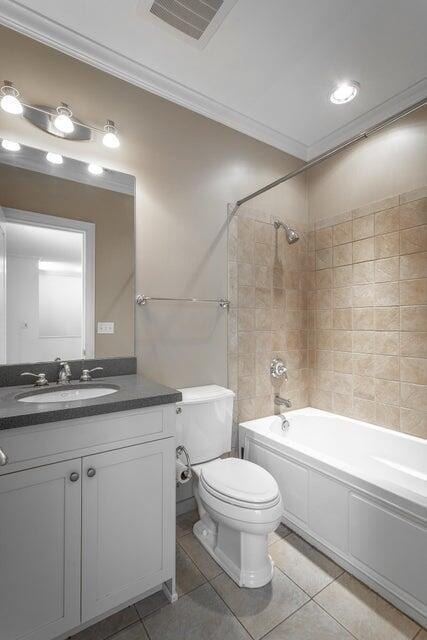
column 110, row 431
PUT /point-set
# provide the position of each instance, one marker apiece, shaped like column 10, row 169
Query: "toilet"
column 239, row 502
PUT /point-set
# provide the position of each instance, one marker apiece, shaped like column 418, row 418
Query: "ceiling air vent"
column 191, row 17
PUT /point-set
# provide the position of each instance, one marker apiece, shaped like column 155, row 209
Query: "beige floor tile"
column 201, row 558
column 364, row 613
column 152, row 603
column 309, row 623
column 260, row 610
column 281, row 532
column 422, row 635
column 188, row 577
column 134, row 632
column 109, row 626
column 200, row 615
column 306, row 566
column 185, row 522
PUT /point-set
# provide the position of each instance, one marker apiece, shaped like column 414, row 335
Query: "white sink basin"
column 68, row 394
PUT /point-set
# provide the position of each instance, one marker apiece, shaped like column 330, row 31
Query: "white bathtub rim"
column 311, row 411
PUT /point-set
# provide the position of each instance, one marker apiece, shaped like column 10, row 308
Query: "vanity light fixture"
column 58, row 122
column 344, row 92
column 10, row 145
column 110, row 138
column 95, row 169
column 9, row 101
column 63, row 120
column 54, row 158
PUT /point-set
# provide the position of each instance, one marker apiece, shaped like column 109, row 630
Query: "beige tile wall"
column 268, row 284
column 367, row 313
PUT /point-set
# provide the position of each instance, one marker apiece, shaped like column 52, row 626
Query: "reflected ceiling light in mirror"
column 10, row 145
column 9, row 101
column 54, row 158
column 95, row 169
column 59, row 267
column 63, row 120
column 110, row 138
column 344, row 92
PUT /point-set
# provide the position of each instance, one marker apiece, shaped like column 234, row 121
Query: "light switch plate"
column 105, row 327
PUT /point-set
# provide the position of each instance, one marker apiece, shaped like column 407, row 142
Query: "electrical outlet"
column 105, row 327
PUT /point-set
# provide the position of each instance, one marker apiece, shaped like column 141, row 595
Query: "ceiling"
column 268, row 68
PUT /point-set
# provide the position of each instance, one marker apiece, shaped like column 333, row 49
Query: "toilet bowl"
column 239, row 502
column 239, row 506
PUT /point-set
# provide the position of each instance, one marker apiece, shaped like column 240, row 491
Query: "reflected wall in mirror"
column 66, row 260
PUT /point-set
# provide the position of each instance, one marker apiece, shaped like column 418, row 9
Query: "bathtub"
column 355, row 491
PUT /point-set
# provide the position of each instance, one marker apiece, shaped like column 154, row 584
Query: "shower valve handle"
column 278, row 369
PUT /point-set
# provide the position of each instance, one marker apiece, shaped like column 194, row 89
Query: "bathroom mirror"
column 66, row 259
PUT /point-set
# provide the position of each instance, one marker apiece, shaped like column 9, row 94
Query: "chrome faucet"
column 282, row 402
column 64, row 372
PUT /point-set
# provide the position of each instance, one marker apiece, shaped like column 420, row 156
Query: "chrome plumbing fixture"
column 85, row 376
column 64, row 372
column 41, row 380
column 282, row 402
column 278, row 369
column 285, row 423
column 291, row 235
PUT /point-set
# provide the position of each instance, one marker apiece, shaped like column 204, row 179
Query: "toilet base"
column 243, row 556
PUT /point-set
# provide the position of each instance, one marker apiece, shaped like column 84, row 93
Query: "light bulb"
column 95, row 169
column 344, row 92
column 110, row 138
column 10, row 145
column 9, row 101
column 54, row 158
column 63, row 120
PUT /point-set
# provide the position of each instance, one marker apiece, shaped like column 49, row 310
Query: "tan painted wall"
column 187, row 169
column 113, row 215
column 388, row 163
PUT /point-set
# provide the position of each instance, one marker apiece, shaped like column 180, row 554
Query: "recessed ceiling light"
column 54, row 158
column 95, row 169
column 344, row 92
column 9, row 101
column 10, row 145
column 63, row 120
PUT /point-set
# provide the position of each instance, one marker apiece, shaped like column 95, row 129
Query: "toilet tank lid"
column 206, row 393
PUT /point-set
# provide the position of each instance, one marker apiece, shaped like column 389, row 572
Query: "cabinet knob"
column 3, row 458
column 74, row 476
column 91, row 472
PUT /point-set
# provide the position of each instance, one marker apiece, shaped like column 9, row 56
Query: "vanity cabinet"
column 126, row 517
column 40, row 511
column 84, row 536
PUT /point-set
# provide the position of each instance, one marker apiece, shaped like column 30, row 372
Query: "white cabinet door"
column 127, row 523
column 40, row 523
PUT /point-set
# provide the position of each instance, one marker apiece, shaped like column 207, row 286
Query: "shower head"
column 291, row 235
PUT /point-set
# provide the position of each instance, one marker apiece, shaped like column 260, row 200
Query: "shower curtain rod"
column 331, row 152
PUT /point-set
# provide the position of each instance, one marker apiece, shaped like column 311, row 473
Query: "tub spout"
column 282, row 402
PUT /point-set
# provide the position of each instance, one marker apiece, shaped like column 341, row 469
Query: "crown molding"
column 34, row 25
column 30, row 23
column 369, row 119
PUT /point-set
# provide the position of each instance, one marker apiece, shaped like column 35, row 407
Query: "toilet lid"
column 240, row 482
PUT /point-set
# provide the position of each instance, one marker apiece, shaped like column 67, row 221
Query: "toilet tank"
column 204, row 422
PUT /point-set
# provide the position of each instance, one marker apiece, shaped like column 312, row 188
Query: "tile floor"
column 309, row 598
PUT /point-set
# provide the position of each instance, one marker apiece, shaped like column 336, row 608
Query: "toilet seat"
column 240, row 483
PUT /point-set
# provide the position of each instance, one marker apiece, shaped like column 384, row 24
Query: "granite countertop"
column 134, row 392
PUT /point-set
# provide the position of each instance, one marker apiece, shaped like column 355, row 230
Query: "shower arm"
column 328, row 154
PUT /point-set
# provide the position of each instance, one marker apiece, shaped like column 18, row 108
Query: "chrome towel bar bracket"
column 142, row 300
